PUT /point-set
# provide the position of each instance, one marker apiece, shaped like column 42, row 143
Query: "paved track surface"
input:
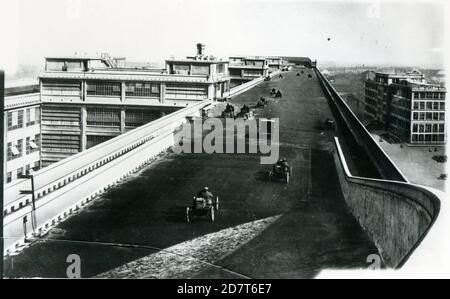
column 313, row 228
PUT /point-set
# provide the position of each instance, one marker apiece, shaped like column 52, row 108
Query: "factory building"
column 88, row 100
column 407, row 106
column 244, row 69
column 22, row 131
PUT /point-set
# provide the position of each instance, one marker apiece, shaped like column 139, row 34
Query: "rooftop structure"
column 247, row 68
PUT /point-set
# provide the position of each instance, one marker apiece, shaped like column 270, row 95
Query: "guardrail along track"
column 384, row 165
column 395, row 214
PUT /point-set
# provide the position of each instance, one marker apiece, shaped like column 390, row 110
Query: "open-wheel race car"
column 246, row 113
column 204, row 204
column 278, row 94
column 329, row 124
column 228, row 112
column 261, row 103
column 281, row 171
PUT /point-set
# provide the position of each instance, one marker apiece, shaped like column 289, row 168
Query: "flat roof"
column 425, row 85
column 249, row 57
column 400, row 75
column 75, row 58
column 21, row 82
column 127, row 75
column 20, row 90
column 192, row 60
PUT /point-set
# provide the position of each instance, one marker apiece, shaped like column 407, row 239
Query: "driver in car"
column 206, row 195
column 283, row 163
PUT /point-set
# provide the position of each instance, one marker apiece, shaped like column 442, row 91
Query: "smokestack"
column 200, row 49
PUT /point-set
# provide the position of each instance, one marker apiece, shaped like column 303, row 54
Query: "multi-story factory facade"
column 22, row 132
column 275, row 63
column 407, row 106
column 86, row 101
column 80, row 102
column 244, row 69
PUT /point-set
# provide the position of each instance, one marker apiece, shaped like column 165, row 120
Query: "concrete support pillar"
column 162, row 92
column 40, row 90
column 123, row 90
column 83, row 124
column 83, row 90
column 211, row 91
column 212, row 72
column 122, row 120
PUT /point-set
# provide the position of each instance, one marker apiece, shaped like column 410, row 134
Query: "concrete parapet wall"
column 68, row 171
column 76, row 196
column 387, row 169
column 77, row 185
column 396, row 215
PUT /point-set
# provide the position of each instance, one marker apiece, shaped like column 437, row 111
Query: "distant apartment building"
column 22, row 133
column 244, row 69
column 88, row 100
column 407, row 107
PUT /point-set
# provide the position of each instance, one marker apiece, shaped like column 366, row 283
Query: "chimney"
column 200, row 49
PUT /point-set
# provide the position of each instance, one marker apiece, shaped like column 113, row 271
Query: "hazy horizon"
column 397, row 34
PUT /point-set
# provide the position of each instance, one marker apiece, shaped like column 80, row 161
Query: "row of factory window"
column 104, row 89
column 142, row 90
column 405, row 125
column 186, row 92
column 429, row 116
column 429, row 95
column 60, row 143
column 252, row 73
column 420, row 105
column 104, row 117
column 428, row 128
column 187, row 69
column 401, row 112
column 255, row 63
column 12, row 175
column 416, row 95
column 401, row 102
column 371, row 93
column 61, row 88
column 425, row 138
column 17, row 118
column 132, row 89
column 15, row 149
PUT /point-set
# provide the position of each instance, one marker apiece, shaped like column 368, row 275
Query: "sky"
column 403, row 33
